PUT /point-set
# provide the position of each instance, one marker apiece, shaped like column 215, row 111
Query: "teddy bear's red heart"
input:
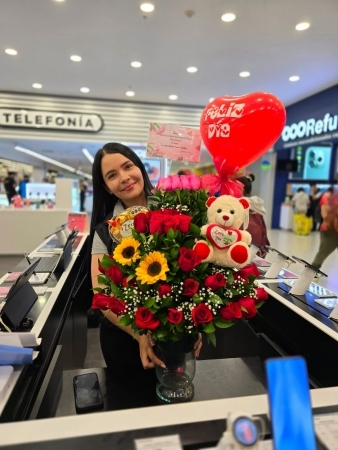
column 241, row 129
column 222, row 238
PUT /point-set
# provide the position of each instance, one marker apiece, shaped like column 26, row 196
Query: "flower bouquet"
column 157, row 282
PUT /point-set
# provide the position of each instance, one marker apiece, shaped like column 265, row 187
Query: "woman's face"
column 123, row 179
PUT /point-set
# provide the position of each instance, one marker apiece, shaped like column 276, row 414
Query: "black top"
column 10, row 184
column 102, row 230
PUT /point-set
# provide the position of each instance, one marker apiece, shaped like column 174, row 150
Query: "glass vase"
column 175, row 381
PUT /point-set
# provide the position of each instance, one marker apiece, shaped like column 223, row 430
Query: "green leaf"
column 125, row 320
column 196, row 299
column 115, row 290
column 180, row 327
column 149, row 302
column 196, row 231
column 131, row 277
column 259, row 304
column 214, row 298
column 165, row 301
column 106, row 262
column 221, row 323
column 171, row 234
column 101, row 279
column 212, row 338
column 98, row 289
column 243, row 309
column 230, row 278
column 209, row 328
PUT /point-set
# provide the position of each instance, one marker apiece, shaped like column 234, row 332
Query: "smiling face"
column 123, row 179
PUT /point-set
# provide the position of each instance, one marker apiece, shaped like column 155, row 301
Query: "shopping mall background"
column 110, row 35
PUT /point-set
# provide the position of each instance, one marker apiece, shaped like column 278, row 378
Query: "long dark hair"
column 103, row 202
column 247, row 181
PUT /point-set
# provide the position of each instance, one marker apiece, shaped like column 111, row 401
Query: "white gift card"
column 171, row 442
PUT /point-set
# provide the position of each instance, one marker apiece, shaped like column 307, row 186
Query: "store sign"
column 50, row 120
column 311, row 129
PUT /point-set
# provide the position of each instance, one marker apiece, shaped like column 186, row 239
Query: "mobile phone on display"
column 309, row 265
column 87, row 393
column 290, row 404
column 317, row 163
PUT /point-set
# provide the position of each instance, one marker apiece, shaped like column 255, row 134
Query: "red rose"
column 115, row 274
column 155, row 222
column 174, row 316
column 144, row 318
column 101, row 269
column 170, row 222
column 184, row 223
column 164, row 289
column 188, row 259
column 141, row 222
column 126, row 283
column 262, row 295
column 118, row 307
column 201, row 314
column 249, row 304
column 169, row 212
column 231, row 311
column 100, row 301
column 246, row 271
column 190, row 287
column 215, row 282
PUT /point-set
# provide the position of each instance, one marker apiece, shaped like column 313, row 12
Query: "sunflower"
column 152, row 268
column 127, row 252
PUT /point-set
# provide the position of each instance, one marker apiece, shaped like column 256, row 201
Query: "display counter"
column 286, row 325
column 22, row 230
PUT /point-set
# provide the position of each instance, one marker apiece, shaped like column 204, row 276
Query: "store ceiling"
column 110, row 34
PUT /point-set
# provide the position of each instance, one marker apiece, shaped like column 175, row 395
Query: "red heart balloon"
column 241, row 129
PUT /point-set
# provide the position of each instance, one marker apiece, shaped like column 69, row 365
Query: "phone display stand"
column 16, row 308
column 303, row 282
column 278, row 264
column 62, row 236
column 254, row 248
column 334, row 313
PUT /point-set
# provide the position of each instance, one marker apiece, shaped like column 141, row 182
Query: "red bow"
column 224, row 181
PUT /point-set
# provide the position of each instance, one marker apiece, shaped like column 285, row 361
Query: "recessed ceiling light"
column 76, row 58
column 147, row 7
column 130, row 93
column 11, row 51
column 37, row 86
column 85, row 90
column 60, row 1
column 302, row 26
column 136, row 64
column 211, row 99
column 244, row 74
column 173, row 97
column 294, row 78
column 192, row 69
column 229, row 17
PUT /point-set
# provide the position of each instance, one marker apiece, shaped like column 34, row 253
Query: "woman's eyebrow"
column 114, row 170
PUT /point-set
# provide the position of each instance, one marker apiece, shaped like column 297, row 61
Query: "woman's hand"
column 198, row 346
column 147, row 354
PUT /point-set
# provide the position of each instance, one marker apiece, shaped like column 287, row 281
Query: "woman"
column 257, row 226
column 120, row 181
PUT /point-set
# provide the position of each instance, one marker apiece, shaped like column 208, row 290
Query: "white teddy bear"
column 228, row 245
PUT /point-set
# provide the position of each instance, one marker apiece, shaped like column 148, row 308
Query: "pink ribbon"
column 224, row 181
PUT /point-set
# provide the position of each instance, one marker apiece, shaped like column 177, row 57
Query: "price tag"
column 171, row 442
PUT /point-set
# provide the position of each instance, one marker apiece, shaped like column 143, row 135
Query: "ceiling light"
column 11, row 51
column 60, row 1
column 229, row 17
column 130, row 93
column 50, row 160
column 173, row 97
column 244, row 74
column 37, row 86
column 85, row 90
column 76, row 58
column 302, row 26
column 192, row 69
column 136, row 64
column 88, row 155
column 147, row 7
column 211, row 99
column 294, row 78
